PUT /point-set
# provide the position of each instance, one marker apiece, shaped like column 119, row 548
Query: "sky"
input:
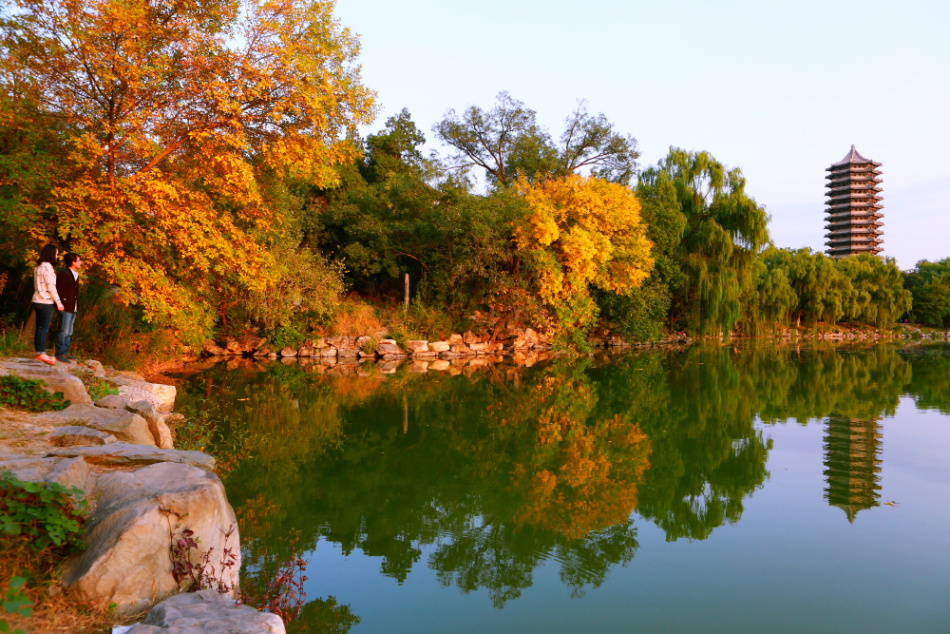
column 779, row 89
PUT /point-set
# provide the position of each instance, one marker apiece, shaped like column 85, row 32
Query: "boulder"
column 439, row 346
column 232, row 347
column 341, row 343
column 455, row 339
column 68, row 472
column 469, row 337
column 263, row 351
column 328, row 353
column 156, row 423
column 57, row 378
column 288, row 352
column 209, row 612
column 80, row 437
column 97, row 370
column 162, row 397
column 250, row 343
column 122, row 424
column 388, row 346
column 212, row 349
column 124, row 454
column 305, row 351
column 417, row 346
column 127, row 561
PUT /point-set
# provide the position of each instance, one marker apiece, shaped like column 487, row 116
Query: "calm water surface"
column 711, row 490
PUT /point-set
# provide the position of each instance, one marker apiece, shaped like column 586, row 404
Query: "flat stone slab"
column 68, row 472
column 57, row 378
column 124, row 425
column 121, row 453
column 205, row 611
column 74, row 436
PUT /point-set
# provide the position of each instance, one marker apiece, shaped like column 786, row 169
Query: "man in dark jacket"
column 67, row 286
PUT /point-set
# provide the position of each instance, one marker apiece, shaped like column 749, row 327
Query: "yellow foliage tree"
column 176, row 120
column 582, row 232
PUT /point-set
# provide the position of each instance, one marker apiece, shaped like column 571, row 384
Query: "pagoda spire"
column 853, row 210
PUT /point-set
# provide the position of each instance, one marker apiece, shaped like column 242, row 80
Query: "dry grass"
column 353, row 319
column 52, row 611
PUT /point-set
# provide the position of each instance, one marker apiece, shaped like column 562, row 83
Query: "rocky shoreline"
column 141, row 494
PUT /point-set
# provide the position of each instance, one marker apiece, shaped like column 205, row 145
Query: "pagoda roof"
column 852, row 158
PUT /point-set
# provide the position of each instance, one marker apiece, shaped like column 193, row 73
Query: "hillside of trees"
column 204, row 160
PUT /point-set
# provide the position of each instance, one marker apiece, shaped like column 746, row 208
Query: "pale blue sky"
column 779, row 89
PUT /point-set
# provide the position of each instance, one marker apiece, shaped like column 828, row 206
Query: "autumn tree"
column 581, row 233
column 507, row 141
column 174, row 120
column 713, row 233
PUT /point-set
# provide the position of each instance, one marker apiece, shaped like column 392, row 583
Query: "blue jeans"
column 44, row 313
column 66, row 323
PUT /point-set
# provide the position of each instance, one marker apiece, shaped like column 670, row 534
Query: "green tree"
column 507, row 141
column 821, row 290
column 720, row 229
column 879, row 296
column 929, row 285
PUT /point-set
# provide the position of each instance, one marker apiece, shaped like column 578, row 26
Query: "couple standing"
column 61, row 289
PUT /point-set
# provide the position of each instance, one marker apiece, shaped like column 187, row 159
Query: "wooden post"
column 405, row 308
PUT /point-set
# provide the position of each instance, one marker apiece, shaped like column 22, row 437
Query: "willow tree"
column 716, row 232
column 175, row 119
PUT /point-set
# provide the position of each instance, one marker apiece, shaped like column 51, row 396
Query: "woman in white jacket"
column 44, row 297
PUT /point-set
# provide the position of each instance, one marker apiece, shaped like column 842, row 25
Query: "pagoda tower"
column 854, row 206
column 852, row 464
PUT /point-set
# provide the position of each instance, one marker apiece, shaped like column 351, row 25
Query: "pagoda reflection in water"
column 852, row 464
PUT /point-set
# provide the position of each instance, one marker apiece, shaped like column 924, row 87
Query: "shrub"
column 98, row 388
column 45, row 513
column 29, row 394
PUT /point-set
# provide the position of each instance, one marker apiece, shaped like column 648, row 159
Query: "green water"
column 729, row 489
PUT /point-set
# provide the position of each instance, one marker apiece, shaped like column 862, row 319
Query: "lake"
column 713, row 489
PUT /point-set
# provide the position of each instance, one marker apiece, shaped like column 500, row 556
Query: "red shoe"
column 45, row 358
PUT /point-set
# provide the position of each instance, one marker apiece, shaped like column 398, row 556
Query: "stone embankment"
column 521, row 345
column 141, row 493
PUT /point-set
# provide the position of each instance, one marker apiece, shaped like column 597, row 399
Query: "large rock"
column 128, row 556
column 439, row 346
column 209, row 612
column 161, row 434
column 68, row 472
column 418, row 346
column 123, row 424
column 124, row 454
column 97, row 370
column 162, row 397
column 57, row 378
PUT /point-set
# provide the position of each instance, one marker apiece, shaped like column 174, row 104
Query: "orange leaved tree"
column 176, row 123
column 580, row 233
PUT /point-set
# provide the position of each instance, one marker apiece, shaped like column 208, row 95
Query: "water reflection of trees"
column 495, row 474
